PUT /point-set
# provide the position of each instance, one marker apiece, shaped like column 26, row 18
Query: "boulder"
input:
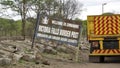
column 61, row 49
column 46, row 62
column 50, row 50
column 40, row 47
column 15, row 57
column 42, row 41
column 13, row 49
column 5, row 61
column 1, row 56
column 38, row 57
column 28, row 57
column 52, row 44
column 3, row 52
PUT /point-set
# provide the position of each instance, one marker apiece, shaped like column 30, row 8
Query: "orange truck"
column 103, row 33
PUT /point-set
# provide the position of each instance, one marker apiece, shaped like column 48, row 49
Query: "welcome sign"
column 60, row 30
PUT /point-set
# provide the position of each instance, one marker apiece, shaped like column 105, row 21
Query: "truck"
column 103, row 34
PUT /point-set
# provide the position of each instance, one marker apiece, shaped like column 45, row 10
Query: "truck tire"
column 101, row 59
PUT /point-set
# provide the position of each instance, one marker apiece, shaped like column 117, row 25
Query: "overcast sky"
column 94, row 7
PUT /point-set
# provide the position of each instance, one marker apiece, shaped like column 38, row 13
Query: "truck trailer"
column 103, row 33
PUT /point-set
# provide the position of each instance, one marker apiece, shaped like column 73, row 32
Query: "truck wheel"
column 101, row 59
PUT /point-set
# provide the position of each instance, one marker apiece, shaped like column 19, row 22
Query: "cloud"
column 94, row 7
column 93, row 2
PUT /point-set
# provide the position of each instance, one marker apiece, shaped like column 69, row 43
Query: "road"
column 110, row 62
column 100, row 65
column 69, row 64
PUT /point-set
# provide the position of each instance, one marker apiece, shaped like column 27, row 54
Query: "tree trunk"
column 23, row 29
column 23, row 20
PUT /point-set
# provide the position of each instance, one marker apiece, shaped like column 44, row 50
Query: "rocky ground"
column 45, row 54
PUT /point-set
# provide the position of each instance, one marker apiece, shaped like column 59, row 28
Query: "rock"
column 61, row 49
column 52, row 44
column 38, row 57
column 46, row 62
column 28, row 57
column 15, row 57
column 5, row 61
column 13, row 49
column 50, row 50
column 8, row 49
column 40, row 47
column 70, row 49
column 3, row 52
column 1, row 56
column 42, row 41
column 27, row 41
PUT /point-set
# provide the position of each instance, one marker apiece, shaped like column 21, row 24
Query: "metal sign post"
column 36, row 29
column 79, row 44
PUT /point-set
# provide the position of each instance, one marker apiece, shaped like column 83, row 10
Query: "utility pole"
column 103, row 7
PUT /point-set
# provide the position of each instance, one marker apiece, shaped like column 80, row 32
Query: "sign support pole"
column 78, row 44
column 35, row 29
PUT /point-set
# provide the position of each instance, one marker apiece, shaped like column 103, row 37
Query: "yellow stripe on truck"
column 101, row 44
column 107, row 51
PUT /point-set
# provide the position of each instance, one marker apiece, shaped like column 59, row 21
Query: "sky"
column 94, row 7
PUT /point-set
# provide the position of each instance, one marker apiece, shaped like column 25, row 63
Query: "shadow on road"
column 107, row 60
column 112, row 60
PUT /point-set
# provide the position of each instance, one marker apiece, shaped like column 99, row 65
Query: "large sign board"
column 60, row 30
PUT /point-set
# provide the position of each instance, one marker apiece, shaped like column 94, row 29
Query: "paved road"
column 107, row 64
column 100, row 65
column 110, row 62
column 66, row 64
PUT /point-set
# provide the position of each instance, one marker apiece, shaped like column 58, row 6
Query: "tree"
column 83, row 25
column 70, row 8
column 30, row 24
column 67, row 9
column 107, row 13
column 45, row 7
column 18, row 6
column 9, row 27
column 62, row 9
